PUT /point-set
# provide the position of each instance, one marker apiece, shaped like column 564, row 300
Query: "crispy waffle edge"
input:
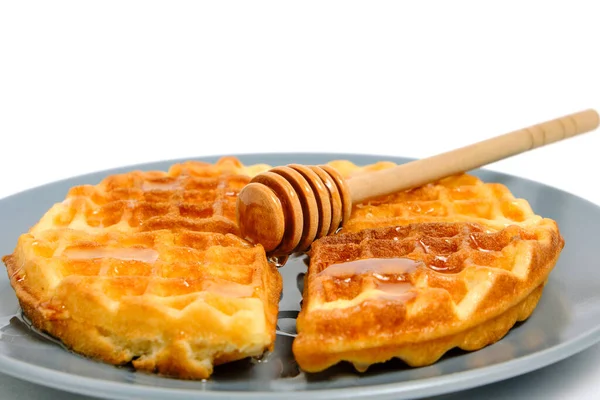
column 364, row 335
column 169, row 356
column 311, row 350
column 367, row 334
column 85, row 339
column 423, row 353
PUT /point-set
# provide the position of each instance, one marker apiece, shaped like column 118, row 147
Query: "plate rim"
column 421, row 387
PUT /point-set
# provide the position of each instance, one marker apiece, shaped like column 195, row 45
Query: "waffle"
column 146, row 268
column 455, row 263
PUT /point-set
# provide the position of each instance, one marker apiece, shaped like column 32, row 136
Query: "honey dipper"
column 288, row 207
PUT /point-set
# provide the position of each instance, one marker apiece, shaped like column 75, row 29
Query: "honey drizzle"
column 126, row 254
column 372, row 266
column 478, row 246
column 389, row 275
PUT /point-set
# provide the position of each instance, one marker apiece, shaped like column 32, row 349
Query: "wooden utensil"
column 286, row 208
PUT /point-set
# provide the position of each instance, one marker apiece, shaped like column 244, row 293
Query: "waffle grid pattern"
column 191, row 196
column 146, row 268
column 452, row 264
column 459, row 198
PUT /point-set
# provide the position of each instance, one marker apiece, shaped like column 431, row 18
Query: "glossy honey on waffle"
column 455, row 263
column 146, row 267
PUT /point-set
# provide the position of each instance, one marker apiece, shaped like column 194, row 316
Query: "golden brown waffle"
column 145, row 268
column 459, row 198
column 452, row 264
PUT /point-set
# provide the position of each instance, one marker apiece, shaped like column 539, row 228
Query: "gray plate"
column 566, row 321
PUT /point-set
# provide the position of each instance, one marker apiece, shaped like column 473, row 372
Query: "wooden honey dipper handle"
column 420, row 172
column 286, row 208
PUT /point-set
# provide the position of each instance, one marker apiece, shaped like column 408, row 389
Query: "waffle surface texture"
column 455, row 263
column 146, row 268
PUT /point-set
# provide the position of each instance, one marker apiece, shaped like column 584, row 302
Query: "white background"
column 94, row 85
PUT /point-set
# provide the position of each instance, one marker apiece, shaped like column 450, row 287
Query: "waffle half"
column 146, row 268
column 455, row 263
